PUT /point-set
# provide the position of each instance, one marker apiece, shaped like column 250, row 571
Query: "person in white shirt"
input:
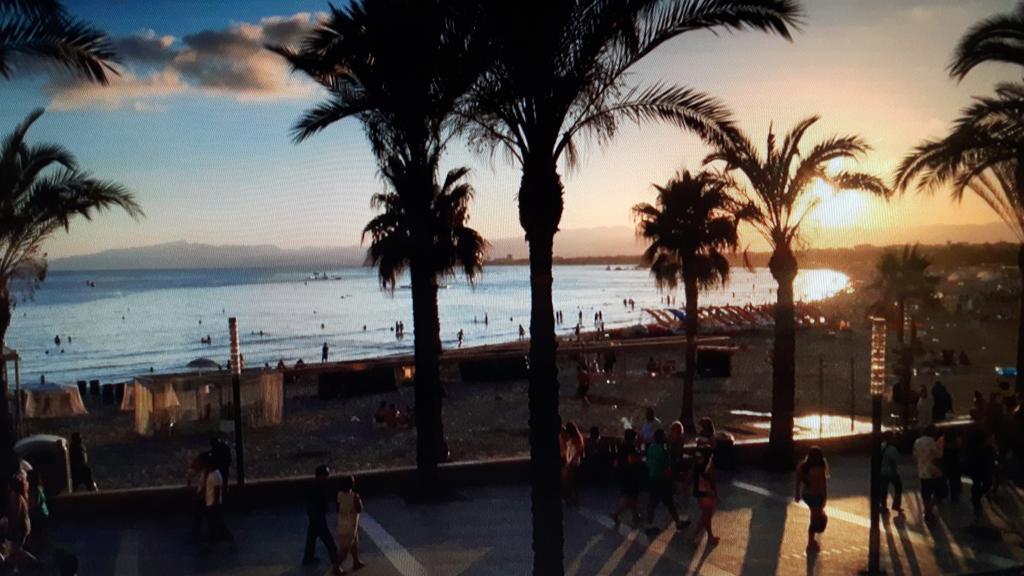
column 928, row 454
column 213, row 501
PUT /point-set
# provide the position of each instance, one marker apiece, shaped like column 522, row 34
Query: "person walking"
column 812, row 487
column 629, row 473
column 928, row 454
column 81, row 471
column 324, row 353
column 924, row 408
column 981, row 466
column 213, row 502
column 650, row 426
column 317, row 501
column 942, row 402
column 659, row 479
column 890, row 474
column 19, row 526
column 350, row 505
column 705, row 491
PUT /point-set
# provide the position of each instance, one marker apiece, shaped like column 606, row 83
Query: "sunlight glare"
column 837, row 210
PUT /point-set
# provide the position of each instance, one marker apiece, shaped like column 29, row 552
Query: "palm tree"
column 983, row 154
column 561, row 76
column 777, row 192
column 43, row 29
column 688, row 231
column 401, row 67
column 902, row 277
column 41, row 190
column 996, row 39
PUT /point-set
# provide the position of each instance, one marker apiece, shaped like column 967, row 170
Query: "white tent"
column 53, row 401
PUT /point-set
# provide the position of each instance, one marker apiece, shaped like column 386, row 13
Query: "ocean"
column 117, row 324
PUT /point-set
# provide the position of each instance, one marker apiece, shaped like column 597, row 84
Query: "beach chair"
column 83, row 388
column 94, row 387
column 107, row 394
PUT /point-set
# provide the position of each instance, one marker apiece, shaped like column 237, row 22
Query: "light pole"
column 236, row 391
column 877, row 388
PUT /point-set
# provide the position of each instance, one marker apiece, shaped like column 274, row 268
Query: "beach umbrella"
column 203, row 364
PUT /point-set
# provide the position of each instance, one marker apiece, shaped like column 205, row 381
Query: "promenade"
column 487, row 531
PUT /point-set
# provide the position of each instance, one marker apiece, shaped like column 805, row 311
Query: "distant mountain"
column 189, row 255
column 574, row 243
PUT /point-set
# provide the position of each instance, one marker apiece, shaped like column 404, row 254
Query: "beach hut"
column 53, row 400
column 203, row 401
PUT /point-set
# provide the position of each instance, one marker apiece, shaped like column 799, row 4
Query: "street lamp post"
column 877, row 388
column 236, row 391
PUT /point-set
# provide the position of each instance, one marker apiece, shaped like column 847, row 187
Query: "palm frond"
column 999, row 38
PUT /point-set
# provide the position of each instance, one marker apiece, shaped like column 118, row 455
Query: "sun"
column 837, row 210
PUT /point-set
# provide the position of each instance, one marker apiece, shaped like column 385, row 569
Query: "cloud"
column 145, row 47
column 124, row 90
column 230, row 61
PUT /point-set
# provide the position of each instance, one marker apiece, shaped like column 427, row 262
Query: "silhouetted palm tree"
column 688, row 232
column 778, row 192
column 400, row 67
column 41, row 191
column 42, row 29
column 983, row 153
column 902, row 278
column 561, row 76
column 996, row 39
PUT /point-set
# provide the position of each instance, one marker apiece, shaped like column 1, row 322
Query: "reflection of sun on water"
column 813, row 285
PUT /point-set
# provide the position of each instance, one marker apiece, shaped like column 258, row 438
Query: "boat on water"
column 323, row 276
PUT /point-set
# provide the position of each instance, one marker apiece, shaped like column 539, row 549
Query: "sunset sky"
column 197, row 125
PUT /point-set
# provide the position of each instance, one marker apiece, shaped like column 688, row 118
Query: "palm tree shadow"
column 764, row 543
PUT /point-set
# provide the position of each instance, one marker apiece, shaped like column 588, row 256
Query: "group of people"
column 587, row 366
column 389, row 416
column 943, row 458
column 27, row 514
column 348, row 505
column 664, row 464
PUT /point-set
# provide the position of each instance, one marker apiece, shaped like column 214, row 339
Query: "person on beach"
column 706, row 433
column 924, row 408
column 81, row 471
column 350, row 505
column 629, row 471
column 486, row 320
column 461, row 336
column 928, row 454
column 812, row 488
column 570, row 444
column 324, row 352
column 890, row 474
column 705, row 491
column 652, row 367
column 317, row 501
column 681, row 464
column 659, row 478
column 220, row 457
column 522, row 332
column 583, row 384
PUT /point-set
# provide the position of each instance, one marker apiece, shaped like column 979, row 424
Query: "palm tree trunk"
column 8, row 461
column 540, row 210
column 691, row 293
column 783, row 267
column 1020, row 323
column 427, row 346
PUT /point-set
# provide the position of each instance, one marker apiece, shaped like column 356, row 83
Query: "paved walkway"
column 487, row 532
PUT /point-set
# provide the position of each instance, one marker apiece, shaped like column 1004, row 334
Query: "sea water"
column 117, row 324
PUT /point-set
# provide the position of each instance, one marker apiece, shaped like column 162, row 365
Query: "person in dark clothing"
column 220, row 457
column 942, row 402
column 981, row 466
column 81, row 472
column 318, row 500
column 659, row 480
column 952, row 464
column 629, row 474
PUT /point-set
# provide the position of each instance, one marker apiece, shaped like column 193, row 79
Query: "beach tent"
column 163, row 402
column 203, row 364
column 53, row 401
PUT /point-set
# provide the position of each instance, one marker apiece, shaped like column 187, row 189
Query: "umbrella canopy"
column 203, row 363
column 7, row 354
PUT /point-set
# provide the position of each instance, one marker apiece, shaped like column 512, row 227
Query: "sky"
column 197, row 125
